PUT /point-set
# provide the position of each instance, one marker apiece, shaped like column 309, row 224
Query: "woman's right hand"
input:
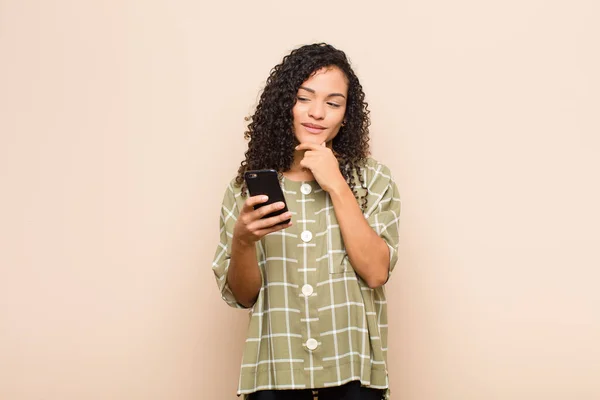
column 250, row 227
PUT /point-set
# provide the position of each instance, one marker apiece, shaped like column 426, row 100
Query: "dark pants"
column 349, row 391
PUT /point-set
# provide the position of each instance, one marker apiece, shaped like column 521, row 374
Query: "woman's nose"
column 316, row 111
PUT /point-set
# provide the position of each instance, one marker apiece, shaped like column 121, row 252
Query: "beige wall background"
column 121, row 122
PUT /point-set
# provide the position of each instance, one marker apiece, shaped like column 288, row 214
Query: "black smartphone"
column 266, row 181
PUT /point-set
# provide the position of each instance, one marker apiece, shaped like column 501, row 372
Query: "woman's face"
column 320, row 106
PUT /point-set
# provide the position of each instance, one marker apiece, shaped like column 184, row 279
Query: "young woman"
column 318, row 319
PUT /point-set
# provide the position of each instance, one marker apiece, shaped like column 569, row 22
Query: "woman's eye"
column 302, row 98
column 334, row 105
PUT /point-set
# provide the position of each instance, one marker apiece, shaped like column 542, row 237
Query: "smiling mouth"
column 313, row 128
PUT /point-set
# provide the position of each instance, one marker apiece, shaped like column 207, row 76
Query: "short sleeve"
column 220, row 266
column 383, row 206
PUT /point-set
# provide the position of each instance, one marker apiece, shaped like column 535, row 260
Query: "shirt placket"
column 311, row 337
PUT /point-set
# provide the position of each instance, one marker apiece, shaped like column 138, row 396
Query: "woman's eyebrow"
column 330, row 95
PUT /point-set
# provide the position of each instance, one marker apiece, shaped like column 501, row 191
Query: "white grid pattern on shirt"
column 280, row 301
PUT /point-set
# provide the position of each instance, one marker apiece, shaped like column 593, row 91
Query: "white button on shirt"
column 305, row 188
column 307, row 290
column 306, row 236
column 312, row 344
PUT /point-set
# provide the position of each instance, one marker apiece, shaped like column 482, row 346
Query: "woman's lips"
column 313, row 128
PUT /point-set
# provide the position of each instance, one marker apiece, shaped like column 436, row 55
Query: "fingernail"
column 265, row 198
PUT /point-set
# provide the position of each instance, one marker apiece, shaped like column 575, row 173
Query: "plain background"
column 121, row 123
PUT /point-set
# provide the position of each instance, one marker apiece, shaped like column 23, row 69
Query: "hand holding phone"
column 259, row 216
column 266, row 182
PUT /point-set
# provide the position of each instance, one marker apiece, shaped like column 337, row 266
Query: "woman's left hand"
column 323, row 164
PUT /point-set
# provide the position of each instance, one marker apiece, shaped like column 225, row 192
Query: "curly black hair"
column 270, row 131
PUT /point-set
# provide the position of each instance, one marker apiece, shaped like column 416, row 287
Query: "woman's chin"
column 315, row 139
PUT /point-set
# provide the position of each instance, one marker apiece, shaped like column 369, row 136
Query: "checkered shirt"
column 315, row 322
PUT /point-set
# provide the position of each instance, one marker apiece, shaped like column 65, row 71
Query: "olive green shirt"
column 315, row 322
